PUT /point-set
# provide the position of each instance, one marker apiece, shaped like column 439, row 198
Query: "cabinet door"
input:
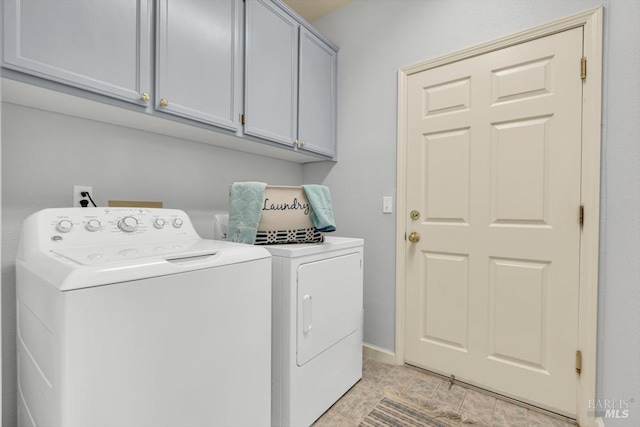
column 317, row 95
column 198, row 68
column 271, row 73
column 98, row 45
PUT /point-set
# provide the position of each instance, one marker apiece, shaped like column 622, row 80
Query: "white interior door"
column 493, row 168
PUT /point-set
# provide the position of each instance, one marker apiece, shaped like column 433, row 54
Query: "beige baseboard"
column 378, row 353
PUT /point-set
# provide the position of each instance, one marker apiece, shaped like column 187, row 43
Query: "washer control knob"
column 93, row 225
column 177, row 222
column 64, row 226
column 128, row 224
column 158, row 223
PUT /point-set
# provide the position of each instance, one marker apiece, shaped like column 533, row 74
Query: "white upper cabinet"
column 199, row 60
column 317, row 95
column 290, row 80
column 103, row 46
column 271, row 73
column 252, row 69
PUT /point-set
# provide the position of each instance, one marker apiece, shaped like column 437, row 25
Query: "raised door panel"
column 271, row 73
column 197, row 59
column 103, row 46
column 317, row 95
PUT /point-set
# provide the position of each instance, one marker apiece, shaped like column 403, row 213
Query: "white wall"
column 44, row 154
column 376, row 38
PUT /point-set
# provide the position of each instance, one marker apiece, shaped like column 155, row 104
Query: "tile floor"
column 484, row 409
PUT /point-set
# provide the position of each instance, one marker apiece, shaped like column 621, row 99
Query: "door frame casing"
column 591, row 22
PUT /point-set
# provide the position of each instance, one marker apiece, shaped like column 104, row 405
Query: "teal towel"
column 320, row 200
column 245, row 207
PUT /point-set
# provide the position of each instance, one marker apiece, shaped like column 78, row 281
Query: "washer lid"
column 70, row 269
column 76, row 248
column 101, row 255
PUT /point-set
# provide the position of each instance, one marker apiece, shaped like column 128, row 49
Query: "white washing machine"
column 127, row 318
column 317, row 327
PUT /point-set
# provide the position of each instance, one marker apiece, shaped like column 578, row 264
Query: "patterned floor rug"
column 396, row 410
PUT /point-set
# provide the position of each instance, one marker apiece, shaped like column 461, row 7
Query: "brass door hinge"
column 583, row 68
column 578, row 362
column 242, row 118
column 581, row 216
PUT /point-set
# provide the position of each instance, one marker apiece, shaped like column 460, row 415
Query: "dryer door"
column 329, row 300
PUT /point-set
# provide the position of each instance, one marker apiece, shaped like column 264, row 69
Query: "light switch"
column 387, row 204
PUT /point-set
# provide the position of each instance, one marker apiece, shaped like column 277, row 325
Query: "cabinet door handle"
column 164, row 102
column 144, row 96
column 301, row 144
column 295, row 142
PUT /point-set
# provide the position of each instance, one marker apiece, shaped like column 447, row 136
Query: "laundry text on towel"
column 293, row 206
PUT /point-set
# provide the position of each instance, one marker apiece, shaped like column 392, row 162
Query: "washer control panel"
column 87, row 226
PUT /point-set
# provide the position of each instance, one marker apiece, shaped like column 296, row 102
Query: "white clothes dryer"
column 126, row 317
column 317, row 327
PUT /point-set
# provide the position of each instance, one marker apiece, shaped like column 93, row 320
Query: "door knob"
column 164, row 102
column 144, row 96
column 414, row 237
